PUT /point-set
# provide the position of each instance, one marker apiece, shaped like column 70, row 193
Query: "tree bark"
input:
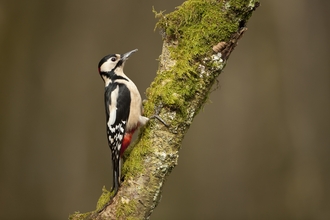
column 198, row 39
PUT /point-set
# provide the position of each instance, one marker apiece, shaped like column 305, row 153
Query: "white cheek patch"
column 108, row 66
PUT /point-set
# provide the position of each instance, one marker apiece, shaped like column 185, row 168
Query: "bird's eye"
column 113, row 59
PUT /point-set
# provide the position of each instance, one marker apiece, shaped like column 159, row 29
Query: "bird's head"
column 113, row 63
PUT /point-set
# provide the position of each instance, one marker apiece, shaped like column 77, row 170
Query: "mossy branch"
column 197, row 40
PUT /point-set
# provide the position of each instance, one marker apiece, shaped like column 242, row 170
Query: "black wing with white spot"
column 117, row 112
column 117, row 99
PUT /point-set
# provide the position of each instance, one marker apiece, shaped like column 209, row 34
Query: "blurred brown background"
column 259, row 149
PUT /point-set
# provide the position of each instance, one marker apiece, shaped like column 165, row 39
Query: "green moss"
column 134, row 164
column 126, row 208
column 104, row 199
column 79, row 216
column 192, row 30
column 196, row 26
column 170, row 83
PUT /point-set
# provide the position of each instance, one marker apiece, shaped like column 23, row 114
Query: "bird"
column 123, row 108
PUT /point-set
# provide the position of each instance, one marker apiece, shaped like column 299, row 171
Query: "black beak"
column 125, row 56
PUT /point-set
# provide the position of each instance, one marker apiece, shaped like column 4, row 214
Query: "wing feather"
column 117, row 101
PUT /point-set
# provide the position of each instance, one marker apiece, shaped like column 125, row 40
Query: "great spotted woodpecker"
column 123, row 107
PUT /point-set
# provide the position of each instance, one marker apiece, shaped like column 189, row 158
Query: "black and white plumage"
column 123, row 107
